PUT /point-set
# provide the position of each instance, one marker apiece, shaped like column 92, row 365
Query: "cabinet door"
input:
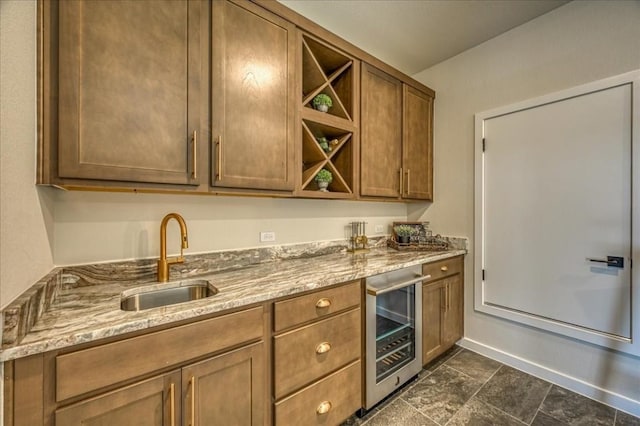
column 226, row 390
column 381, row 134
column 129, row 90
column 433, row 306
column 417, row 150
column 153, row 402
column 253, row 63
column 453, row 319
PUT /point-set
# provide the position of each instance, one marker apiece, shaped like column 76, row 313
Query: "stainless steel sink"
column 182, row 292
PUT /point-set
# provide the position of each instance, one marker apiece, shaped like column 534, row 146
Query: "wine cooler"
column 393, row 331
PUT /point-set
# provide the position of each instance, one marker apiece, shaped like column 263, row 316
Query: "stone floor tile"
column 477, row 413
column 514, row 392
column 441, row 394
column 543, row 419
column 473, row 364
column 399, row 413
column 433, row 365
column 624, row 419
column 574, row 409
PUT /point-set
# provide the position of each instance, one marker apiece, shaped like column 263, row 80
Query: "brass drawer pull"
column 444, row 268
column 323, row 303
column 323, row 347
column 324, row 407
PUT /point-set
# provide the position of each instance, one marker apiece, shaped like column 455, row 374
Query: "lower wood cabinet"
column 226, row 390
column 208, row 372
column 442, row 307
column 317, row 366
column 149, row 402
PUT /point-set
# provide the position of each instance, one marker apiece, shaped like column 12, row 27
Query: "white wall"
column 43, row 227
column 580, row 42
column 26, row 222
column 94, row 227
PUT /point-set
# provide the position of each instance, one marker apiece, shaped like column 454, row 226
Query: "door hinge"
column 483, row 275
column 484, row 144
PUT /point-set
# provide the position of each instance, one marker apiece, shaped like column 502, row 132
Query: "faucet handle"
column 178, row 259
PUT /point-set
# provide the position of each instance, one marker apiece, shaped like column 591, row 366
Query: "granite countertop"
column 82, row 310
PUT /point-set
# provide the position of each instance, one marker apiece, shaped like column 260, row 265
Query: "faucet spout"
column 163, row 262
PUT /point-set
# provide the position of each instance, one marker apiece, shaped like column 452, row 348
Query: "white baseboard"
column 581, row 387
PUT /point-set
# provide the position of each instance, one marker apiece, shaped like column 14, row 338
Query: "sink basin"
column 185, row 291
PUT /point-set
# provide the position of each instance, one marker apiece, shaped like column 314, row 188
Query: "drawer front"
column 319, row 304
column 340, row 394
column 308, row 353
column 443, row 268
column 94, row 368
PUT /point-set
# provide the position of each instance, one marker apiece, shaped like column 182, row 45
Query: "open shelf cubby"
column 329, row 71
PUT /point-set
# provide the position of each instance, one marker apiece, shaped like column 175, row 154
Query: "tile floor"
column 464, row 388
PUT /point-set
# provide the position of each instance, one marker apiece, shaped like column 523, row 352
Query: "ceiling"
column 412, row 35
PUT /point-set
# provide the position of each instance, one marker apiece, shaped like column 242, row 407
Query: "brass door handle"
column 192, row 383
column 323, row 303
column 172, row 407
column 194, row 155
column 218, row 157
column 444, row 268
column 408, row 181
column 324, row 407
column 323, row 348
column 401, row 182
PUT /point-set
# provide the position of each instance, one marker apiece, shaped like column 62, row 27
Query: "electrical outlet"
column 379, row 229
column 266, row 237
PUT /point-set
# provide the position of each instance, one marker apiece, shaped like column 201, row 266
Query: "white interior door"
column 556, row 192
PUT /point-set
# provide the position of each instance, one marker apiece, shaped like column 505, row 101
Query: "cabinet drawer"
column 341, row 393
column 303, row 355
column 319, row 304
column 94, row 368
column 443, row 268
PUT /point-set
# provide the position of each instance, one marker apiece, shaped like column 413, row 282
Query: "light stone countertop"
column 91, row 312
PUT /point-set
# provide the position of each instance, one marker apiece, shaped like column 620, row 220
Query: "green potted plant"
column 323, row 179
column 404, row 233
column 324, row 143
column 322, row 102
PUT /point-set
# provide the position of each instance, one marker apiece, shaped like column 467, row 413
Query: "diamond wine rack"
column 329, row 139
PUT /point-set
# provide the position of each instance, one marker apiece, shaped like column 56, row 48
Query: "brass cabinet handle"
column 443, row 299
column 323, row 348
column 408, row 181
column 192, row 383
column 194, row 154
column 218, row 157
column 401, row 182
column 444, row 268
column 324, row 407
column 448, row 297
column 172, row 407
column 323, row 303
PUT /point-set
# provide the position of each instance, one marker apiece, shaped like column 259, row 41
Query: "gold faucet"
column 163, row 262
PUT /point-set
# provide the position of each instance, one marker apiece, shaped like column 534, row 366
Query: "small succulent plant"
column 322, row 99
column 324, row 175
column 404, row 230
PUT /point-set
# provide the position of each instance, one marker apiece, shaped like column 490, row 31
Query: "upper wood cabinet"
column 417, row 145
column 381, row 134
column 126, row 76
column 396, row 144
column 252, row 97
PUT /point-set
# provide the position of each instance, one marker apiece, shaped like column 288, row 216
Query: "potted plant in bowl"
column 322, row 102
column 404, row 233
column 324, row 143
column 323, row 179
